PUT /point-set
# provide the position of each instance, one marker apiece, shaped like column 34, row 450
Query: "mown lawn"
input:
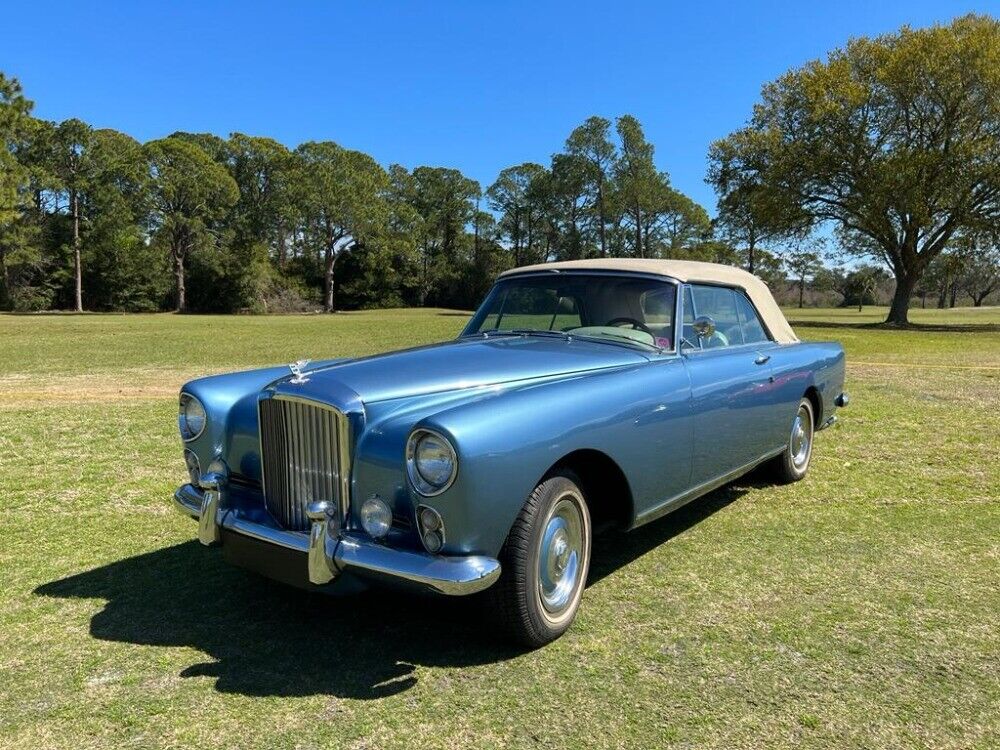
column 858, row 608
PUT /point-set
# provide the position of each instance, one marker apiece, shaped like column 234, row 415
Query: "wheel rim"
column 801, row 440
column 561, row 557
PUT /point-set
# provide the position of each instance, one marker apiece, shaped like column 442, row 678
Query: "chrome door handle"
column 762, row 359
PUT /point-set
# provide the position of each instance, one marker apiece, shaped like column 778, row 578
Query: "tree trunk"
column 600, row 218
column 638, row 232
column 179, row 276
column 750, row 249
column 802, row 291
column 475, row 238
column 424, row 274
column 953, row 294
column 282, row 247
column 77, row 266
column 5, row 276
column 900, row 307
column 517, row 238
column 331, row 261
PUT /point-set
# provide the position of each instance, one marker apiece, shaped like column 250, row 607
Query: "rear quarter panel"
column 798, row 367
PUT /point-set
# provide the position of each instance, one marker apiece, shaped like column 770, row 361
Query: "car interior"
column 638, row 309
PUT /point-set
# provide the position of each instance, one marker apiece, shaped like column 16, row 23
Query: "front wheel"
column 793, row 463
column 544, row 562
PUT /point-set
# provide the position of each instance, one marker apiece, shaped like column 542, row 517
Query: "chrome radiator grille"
column 304, row 456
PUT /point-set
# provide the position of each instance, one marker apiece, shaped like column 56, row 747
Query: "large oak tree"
column 894, row 140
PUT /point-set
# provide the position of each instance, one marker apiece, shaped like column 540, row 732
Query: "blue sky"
column 472, row 85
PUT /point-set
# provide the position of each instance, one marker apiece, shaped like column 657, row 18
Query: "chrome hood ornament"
column 296, row 368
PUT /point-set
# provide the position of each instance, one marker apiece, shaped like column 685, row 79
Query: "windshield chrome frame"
column 675, row 343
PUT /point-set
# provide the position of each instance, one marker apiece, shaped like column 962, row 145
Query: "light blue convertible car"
column 580, row 395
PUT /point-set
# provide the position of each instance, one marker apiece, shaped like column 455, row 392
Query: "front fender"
column 507, row 441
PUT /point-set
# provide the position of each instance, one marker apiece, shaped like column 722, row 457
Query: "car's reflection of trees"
column 268, row 639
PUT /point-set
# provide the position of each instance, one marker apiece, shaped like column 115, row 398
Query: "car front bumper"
column 327, row 552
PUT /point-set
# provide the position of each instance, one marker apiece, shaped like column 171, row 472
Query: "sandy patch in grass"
column 23, row 389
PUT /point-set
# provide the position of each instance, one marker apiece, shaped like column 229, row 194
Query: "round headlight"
column 376, row 518
column 430, row 462
column 191, row 417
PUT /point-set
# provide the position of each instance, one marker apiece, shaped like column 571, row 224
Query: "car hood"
column 459, row 364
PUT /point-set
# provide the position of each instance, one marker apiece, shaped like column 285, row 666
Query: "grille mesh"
column 300, row 448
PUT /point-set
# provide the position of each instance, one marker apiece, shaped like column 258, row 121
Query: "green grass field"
column 858, row 608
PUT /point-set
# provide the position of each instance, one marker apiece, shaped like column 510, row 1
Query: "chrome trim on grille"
column 305, row 457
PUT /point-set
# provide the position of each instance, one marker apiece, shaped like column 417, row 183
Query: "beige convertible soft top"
column 686, row 271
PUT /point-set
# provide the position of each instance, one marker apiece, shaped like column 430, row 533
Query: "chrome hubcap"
column 560, row 557
column 801, row 438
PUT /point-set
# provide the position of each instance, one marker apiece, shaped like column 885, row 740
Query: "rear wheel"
column 544, row 562
column 793, row 463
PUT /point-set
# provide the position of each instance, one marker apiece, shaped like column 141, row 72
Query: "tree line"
column 889, row 149
column 94, row 220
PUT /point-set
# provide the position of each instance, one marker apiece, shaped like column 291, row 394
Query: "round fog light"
column 376, row 517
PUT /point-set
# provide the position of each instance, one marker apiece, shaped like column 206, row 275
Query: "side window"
column 753, row 329
column 719, row 303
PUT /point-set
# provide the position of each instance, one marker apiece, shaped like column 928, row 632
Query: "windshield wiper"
column 541, row 332
column 521, row 332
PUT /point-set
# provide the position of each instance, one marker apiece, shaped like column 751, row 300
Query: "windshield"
column 629, row 310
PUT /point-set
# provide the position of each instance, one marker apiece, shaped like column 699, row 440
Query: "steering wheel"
column 637, row 325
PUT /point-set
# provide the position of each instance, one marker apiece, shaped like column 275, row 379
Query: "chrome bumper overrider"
column 328, row 554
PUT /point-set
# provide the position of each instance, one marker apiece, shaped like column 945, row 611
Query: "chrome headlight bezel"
column 419, row 482
column 186, row 402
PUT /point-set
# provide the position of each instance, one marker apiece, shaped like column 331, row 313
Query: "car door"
column 729, row 382
column 774, row 412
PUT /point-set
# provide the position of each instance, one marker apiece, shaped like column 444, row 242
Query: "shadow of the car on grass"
column 266, row 639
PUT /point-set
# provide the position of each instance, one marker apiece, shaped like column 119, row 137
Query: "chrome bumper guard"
column 329, row 551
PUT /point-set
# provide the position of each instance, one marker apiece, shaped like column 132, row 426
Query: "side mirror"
column 704, row 326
